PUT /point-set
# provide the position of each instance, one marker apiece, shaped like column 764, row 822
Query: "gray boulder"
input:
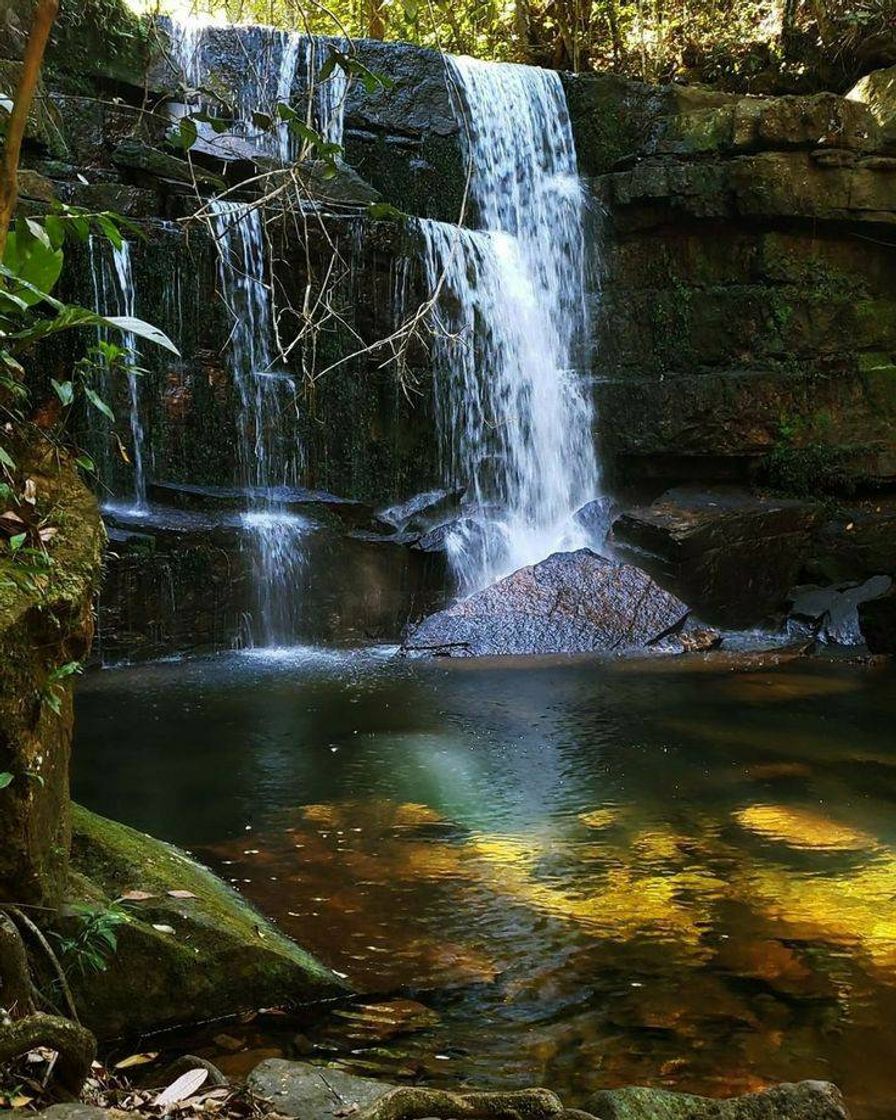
column 297, row 1089
column 805, row 1100
column 834, row 611
column 572, row 602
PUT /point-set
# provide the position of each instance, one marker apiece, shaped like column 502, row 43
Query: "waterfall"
column 269, row 462
column 272, row 71
column 114, row 294
column 510, row 327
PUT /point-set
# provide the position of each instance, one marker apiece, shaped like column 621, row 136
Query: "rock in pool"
column 572, row 602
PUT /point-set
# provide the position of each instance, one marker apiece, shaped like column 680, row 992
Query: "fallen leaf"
column 136, row 896
column 185, row 1086
column 181, row 894
column 163, row 929
column 137, row 1060
column 48, row 533
column 20, row 1101
column 30, row 491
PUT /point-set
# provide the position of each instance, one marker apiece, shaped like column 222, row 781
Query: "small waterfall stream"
column 114, row 293
column 515, row 423
column 269, row 464
column 276, row 61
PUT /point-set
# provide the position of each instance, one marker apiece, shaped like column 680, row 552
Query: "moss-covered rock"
column 181, row 958
column 45, row 623
column 805, row 1100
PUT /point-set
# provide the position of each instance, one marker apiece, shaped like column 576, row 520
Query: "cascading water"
column 515, row 423
column 273, row 59
column 269, row 462
column 114, row 294
column 269, row 465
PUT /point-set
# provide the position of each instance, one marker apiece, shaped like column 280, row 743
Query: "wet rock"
column 834, row 611
column 76, row 1111
column 878, row 91
column 179, row 959
column 730, row 554
column 573, row 602
column 35, row 186
column 337, row 183
column 877, row 622
column 135, row 155
column 296, row 1089
column 187, row 1062
column 471, row 531
column 804, row 1100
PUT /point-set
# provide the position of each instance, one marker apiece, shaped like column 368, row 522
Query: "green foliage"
column 94, row 938
column 5, row 779
column 749, row 45
column 814, row 470
column 54, row 686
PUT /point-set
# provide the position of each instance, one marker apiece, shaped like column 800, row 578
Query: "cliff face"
column 744, row 327
column 747, row 317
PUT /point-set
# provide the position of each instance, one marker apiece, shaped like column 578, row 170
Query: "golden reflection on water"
column 713, row 912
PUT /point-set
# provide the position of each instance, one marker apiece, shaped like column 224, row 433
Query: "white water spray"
column 515, row 422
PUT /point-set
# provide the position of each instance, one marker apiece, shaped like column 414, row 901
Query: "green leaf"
column 187, row 133
column 262, row 121
column 34, row 265
column 98, row 403
column 64, row 390
column 85, row 463
column 110, row 230
column 55, row 227
column 5, row 779
column 16, row 542
column 38, row 232
column 286, row 112
column 328, row 67
column 129, row 325
column 7, row 460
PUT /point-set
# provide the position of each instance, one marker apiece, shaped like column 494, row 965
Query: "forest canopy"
column 745, row 45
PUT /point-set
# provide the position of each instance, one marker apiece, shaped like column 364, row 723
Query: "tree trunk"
column 41, row 24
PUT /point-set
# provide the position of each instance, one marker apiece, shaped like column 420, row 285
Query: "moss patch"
column 222, row 957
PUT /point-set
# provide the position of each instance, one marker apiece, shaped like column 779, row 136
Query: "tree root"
column 75, row 1046
column 412, row 1103
column 27, row 1029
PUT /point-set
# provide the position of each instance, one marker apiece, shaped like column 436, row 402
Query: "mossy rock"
column 45, row 622
column 804, row 1100
column 222, row 957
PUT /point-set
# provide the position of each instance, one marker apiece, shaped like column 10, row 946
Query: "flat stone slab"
column 308, row 1092
column 804, row 1100
column 730, row 554
column 572, row 602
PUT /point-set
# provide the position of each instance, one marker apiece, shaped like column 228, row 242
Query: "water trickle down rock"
column 514, row 420
column 114, row 293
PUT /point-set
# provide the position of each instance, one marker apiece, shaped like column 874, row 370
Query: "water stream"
column 114, row 293
column 515, row 420
column 269, row 459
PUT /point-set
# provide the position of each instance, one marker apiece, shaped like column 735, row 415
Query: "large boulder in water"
column 804, row 1100
column 573, row 602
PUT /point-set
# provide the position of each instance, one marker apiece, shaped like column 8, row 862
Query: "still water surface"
column 596, row 874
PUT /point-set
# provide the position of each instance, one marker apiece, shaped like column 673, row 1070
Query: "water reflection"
column 595, row 876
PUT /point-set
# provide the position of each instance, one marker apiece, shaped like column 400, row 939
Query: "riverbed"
column 595, row 873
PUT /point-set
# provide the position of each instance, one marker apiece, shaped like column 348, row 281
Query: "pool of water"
column 595, row 873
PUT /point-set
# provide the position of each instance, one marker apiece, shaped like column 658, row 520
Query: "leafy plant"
column 54, row 686
column 94, row 939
